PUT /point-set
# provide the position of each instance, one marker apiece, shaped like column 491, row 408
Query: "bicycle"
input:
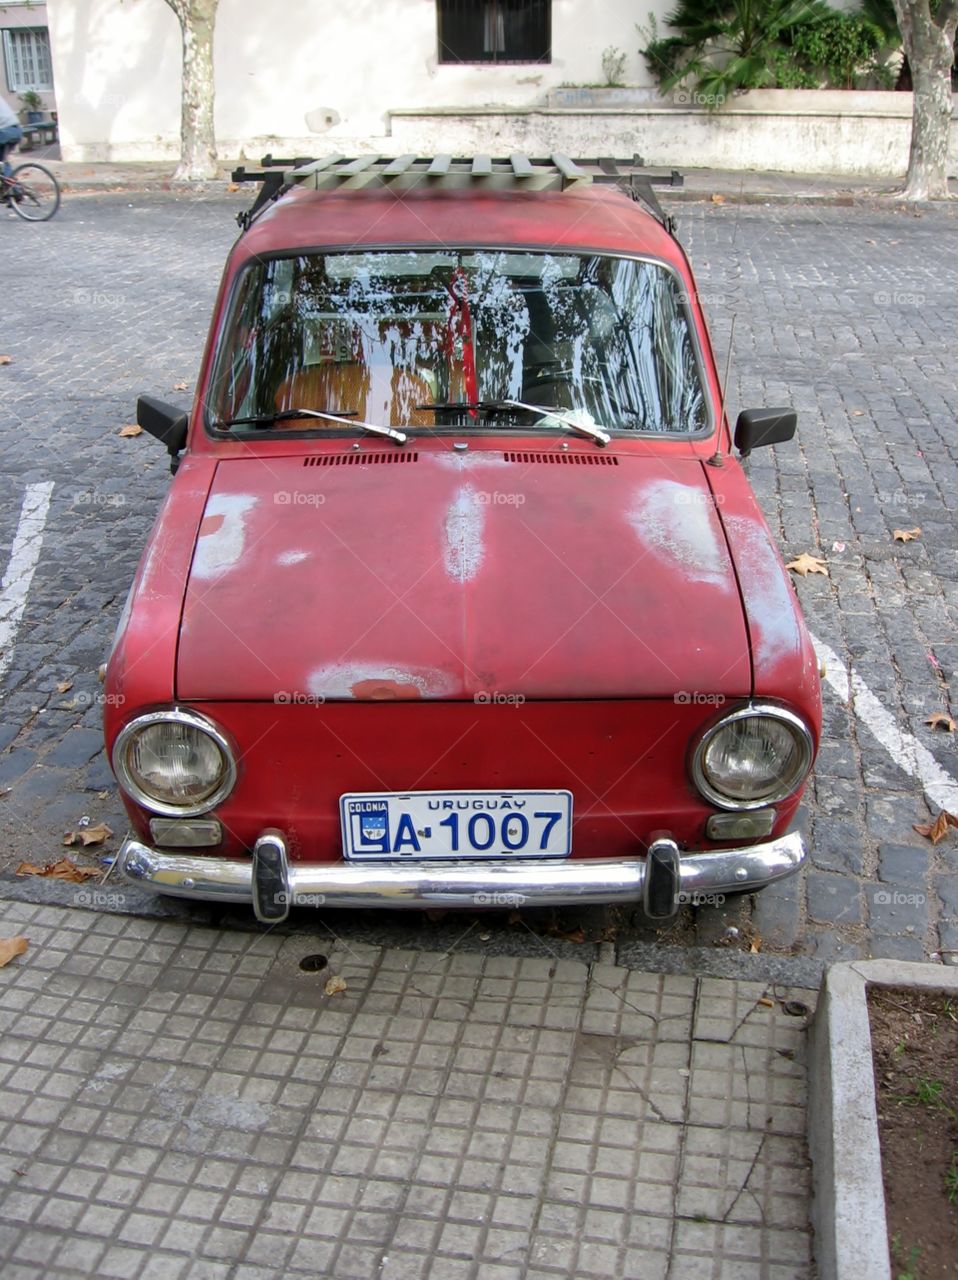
column 31, row 191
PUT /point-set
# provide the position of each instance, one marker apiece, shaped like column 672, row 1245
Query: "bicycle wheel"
column 36, row 193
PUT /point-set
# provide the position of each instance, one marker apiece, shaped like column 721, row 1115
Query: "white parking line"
column 916, row 760
column 24, row 555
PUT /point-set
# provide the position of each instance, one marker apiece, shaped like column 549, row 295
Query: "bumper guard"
column 271, row 883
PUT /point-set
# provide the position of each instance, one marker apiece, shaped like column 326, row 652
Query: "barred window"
column 495, row 30
column 26, row 53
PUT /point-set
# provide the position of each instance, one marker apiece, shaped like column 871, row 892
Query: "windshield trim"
column 712, row 419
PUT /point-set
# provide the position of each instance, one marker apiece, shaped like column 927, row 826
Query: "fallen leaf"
column 938, row 829
column 6, row 359
column 858, row 413
column 10, row 948
column 570, row 935
column 131, row 429
column 940, row 720
column 180, row 386
column 233, row 186
column 64, row 686
column 62, row 870
column 335, row 985
column 717, row 199
column 906, row 535
column 766, row 1003
column 755, row 945
column 806, row 564
column 88, row 835
column 96, row 835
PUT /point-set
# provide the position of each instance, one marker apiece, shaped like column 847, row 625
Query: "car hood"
column 435, row 574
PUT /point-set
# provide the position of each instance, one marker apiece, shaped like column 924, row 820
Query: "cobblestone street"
column 847, row 313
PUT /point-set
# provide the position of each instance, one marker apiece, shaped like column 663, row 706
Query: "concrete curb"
column 848, row 1203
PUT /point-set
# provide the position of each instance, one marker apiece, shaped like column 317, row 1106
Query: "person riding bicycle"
column 10, row 135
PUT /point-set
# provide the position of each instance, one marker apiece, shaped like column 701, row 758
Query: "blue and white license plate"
column 456, row 824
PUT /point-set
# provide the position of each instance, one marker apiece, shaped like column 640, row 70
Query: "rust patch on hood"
column 385, row 690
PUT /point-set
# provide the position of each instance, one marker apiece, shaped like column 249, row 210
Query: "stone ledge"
column 848, row 1206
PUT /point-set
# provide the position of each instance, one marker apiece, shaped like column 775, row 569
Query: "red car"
column 459, row 596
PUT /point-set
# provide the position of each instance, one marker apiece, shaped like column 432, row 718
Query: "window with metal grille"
column 495, row 30
column 26, row 53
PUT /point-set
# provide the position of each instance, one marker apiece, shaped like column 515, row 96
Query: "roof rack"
column 405, row 173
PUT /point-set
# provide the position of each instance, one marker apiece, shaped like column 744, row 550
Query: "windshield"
column 431, row 338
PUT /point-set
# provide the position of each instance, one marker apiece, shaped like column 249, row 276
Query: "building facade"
column 27, row 60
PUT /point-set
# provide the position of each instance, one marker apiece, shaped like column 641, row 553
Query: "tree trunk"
column 197, row 134
column 929, row 49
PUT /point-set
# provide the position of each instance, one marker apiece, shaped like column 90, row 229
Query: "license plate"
column 456, row 824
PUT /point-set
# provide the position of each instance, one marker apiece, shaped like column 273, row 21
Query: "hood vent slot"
column 356, row 459
column 576, row 459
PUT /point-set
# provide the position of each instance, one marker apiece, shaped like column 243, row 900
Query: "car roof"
column 582, row 217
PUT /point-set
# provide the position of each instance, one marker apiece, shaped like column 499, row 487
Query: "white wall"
column 117, row 68
column 326, row 77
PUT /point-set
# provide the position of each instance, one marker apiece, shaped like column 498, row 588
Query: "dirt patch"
column 915, row 1055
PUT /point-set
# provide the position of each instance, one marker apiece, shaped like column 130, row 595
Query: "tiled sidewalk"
column 183, row 1102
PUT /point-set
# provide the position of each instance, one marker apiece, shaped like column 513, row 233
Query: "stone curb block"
column 848, row 1204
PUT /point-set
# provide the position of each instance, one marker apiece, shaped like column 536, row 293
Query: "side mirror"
column 164, row 421
column 758, row 427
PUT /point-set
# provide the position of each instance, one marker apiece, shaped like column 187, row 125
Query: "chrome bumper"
column 271, row 883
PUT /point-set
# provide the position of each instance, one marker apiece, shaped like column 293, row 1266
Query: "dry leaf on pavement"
column 88, row 835
column 10, row 948
column 941, row 720
column 906, row 535
column 181, row 386
column 717, row 199
column 131, row 429
column 806, row 564
column 64, row 686
column 232, row 186
column 335, row 985
column 6, row 359
column 62, row 870
column 938, row 829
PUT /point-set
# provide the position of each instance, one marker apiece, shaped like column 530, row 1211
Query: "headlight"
column 174, row 762
column 753, row 757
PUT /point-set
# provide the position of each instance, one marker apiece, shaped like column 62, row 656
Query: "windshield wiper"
column 575, row 419
column 285, row 415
